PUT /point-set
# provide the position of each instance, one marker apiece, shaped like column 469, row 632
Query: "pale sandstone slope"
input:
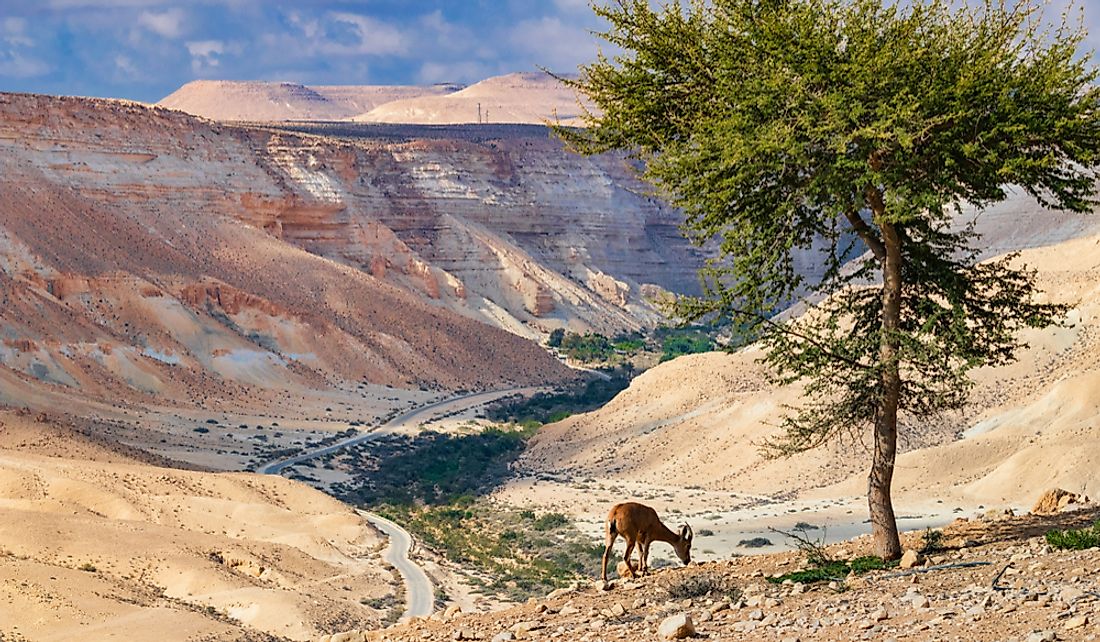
column 697, row 420
column 232, row 100
column 533, row 97
column 95, row 545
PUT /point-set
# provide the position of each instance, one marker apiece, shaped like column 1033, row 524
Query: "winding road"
column 419, row 592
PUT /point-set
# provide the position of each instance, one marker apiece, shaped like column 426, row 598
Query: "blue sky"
column 145, row 49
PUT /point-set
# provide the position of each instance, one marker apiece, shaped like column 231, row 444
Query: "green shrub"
column 550, row 521
column 1075, row 539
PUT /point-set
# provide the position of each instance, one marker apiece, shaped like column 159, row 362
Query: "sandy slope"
column 696, row 421
column 273, row 101
column 95, row 545
column 512, row 98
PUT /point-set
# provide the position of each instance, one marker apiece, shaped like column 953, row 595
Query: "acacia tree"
column 860, row 126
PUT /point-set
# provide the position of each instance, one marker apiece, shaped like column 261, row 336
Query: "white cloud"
column 555, row 44
column 458, row 71
column 374, row 37
column 206, row 55
column 13, row 64
column 169, row 24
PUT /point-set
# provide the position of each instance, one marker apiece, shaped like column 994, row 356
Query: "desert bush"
column 682, row 586
column 1075, row 539
column 931, row 541
column 756, row 542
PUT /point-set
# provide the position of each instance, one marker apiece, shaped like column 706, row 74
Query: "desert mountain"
column 232, row 100
column 697, row 421
column 513, row 98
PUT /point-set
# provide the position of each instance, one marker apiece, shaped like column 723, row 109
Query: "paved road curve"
column 419, row 592
column 276, row 467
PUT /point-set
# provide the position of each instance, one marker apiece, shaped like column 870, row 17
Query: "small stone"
column 676, row 627
column 920, row 602
column 523, row 628
column 504, row 636
column 625, row 570
column 1043, row 636
column 756, row 615
column 617, row 609
column 1069, row 595
column 638, row 603
column 909, row 559
column 879, row 615
column 1076, row 622
column 705, row 615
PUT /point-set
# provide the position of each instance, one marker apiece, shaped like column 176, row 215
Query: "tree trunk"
column 884, row 527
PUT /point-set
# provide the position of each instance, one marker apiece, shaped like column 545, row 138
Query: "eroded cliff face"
column 499, row 223
column 147, row 254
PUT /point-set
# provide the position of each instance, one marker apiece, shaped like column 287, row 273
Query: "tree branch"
column 866, row 234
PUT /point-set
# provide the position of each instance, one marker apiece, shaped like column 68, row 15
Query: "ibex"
column 639, row 525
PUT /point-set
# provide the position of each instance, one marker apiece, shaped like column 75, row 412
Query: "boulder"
column 910, row 559
column 676, row 627
column 1053, row 501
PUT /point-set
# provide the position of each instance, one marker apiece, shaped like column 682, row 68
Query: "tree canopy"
column 858, row 128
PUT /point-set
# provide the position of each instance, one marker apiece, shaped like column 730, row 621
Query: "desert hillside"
column 231, row 100
column 696, row 422
column 97, row 542
column 533, row 97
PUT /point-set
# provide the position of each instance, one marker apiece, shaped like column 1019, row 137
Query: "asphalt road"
column 276, row 467
column 419, row 592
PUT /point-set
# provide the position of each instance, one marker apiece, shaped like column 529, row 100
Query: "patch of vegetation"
column 661, row 344
column 548, row 407
column 87, row 567
column 515, row 553
column 588, row 348
column 756, row 542
column 710, row 584
column 676, row 342
column 1075, row 539
column 931, row 541
column 434, row 468
column 550, row 521
column 821, row 567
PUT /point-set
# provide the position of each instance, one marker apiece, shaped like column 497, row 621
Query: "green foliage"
column 435, row 468
column 516, row 560
column 835, row 570
column 555, row 338
column 854, row 129
column 548, row 407
column 87, row 567
column 1075, row 539
column 587, row 347
column 550, row 521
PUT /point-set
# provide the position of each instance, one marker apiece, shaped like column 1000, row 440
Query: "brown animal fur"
column 640, row 526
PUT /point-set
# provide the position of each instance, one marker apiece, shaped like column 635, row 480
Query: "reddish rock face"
column 143, row 251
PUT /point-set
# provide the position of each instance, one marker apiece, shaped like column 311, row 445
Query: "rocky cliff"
column 146, row 252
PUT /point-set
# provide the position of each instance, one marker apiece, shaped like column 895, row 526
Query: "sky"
column 145, row 49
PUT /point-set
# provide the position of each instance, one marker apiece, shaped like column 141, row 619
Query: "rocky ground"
column 995, row 579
